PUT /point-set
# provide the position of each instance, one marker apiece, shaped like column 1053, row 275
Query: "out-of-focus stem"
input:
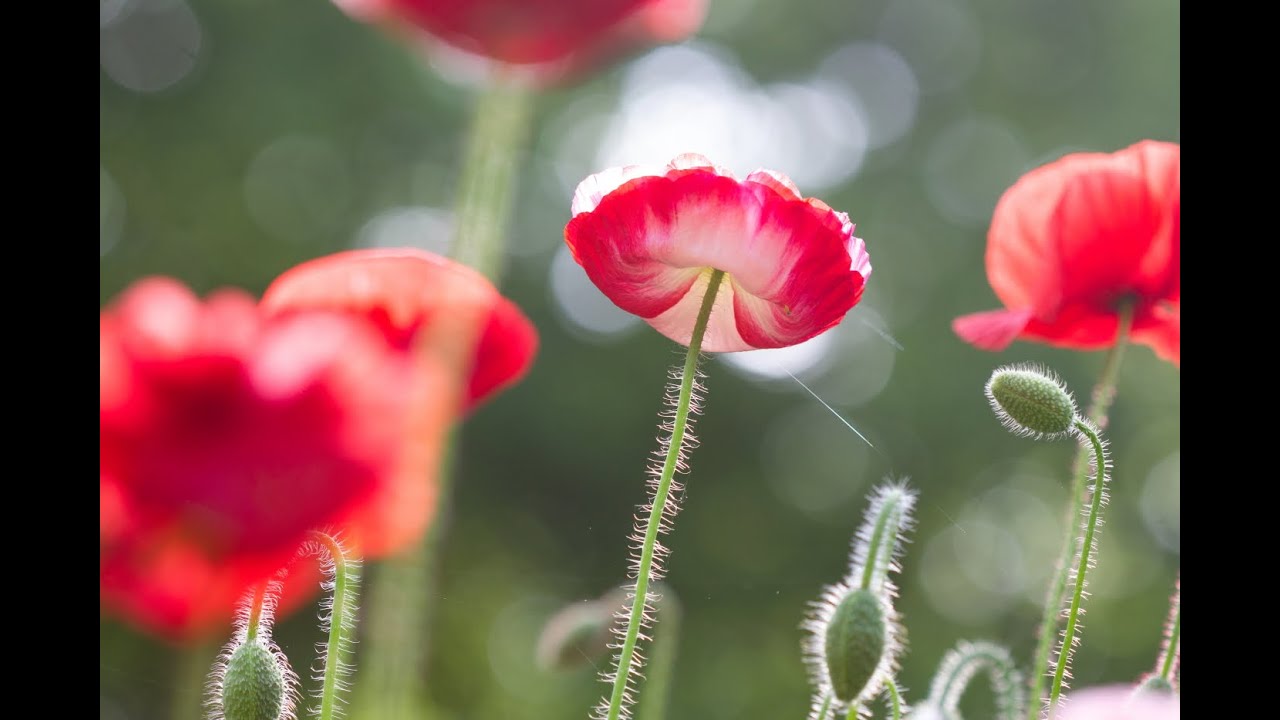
column 402, row 588
column 498, row 131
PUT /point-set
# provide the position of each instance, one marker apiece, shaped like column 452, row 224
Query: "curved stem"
column 888, row 516
column 1104, row 393
column 333, row 649
column 255, row 612
column 962, row 663
column 1171, row 642
column 660, row 496
column 894, row 699
column 1082, row 567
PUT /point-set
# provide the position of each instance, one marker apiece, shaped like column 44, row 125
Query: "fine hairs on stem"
column 957, row 670
column 683, row 398
column 1164, row 677
column 671, row 496
column 1104, row 393
column 1031, row 401
column 337, row 620
column 1086, row 560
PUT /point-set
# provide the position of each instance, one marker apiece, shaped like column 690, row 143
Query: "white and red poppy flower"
column 650, row 237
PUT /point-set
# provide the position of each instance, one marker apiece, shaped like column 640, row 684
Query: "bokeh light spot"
column 426, row 228
column 886, row 83
column 297, row 188
column 148, row 45
column 584, row 309
column 1161, row 502
column 969, row 164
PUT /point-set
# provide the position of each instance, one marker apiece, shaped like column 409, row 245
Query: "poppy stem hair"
column 1164, row 677
column 1172, row 649
column 961, row 665
column 1104, row 392
column 338, row 618
column 663, row 506
column 895, row 700
column 1086, row 558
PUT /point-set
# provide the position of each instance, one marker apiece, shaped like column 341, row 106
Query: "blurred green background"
column 239, row 138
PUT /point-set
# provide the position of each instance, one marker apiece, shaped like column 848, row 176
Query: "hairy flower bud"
column 254, row 685
column 1031, row 402
column 855, row 643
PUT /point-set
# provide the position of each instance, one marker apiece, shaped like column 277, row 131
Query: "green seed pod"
column 254, row 684
column 1031, row 402
column 855, row 643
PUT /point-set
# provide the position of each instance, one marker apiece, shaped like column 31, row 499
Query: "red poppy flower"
column 650, row 237
column 536, row 32
column 404, row 291
column 1073, row 240
column 225, row 437
column 457, row 326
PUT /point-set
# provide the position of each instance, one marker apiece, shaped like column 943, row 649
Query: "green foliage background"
column 550, row 472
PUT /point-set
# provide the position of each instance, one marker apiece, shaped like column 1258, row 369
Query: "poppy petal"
column 992, row 330
column 1164, row 333
column 404, row 290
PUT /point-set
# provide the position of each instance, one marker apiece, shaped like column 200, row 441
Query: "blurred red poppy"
column 567, row 34
column 452, row 323
column 1073, row 240
column 403, row 291
column 649, row 238
column 225, row 437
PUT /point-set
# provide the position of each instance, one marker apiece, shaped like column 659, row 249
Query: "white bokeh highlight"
column 579, row 304
column 148, row 45
column 425, row 228
column 696, row 98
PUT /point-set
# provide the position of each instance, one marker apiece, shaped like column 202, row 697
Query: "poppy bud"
column 855, row 643
column 254, row 685
column 1031, row 402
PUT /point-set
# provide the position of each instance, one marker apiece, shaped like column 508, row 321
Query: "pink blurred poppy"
column 1119, row 702
column 649, row 238
column 1072, row 240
